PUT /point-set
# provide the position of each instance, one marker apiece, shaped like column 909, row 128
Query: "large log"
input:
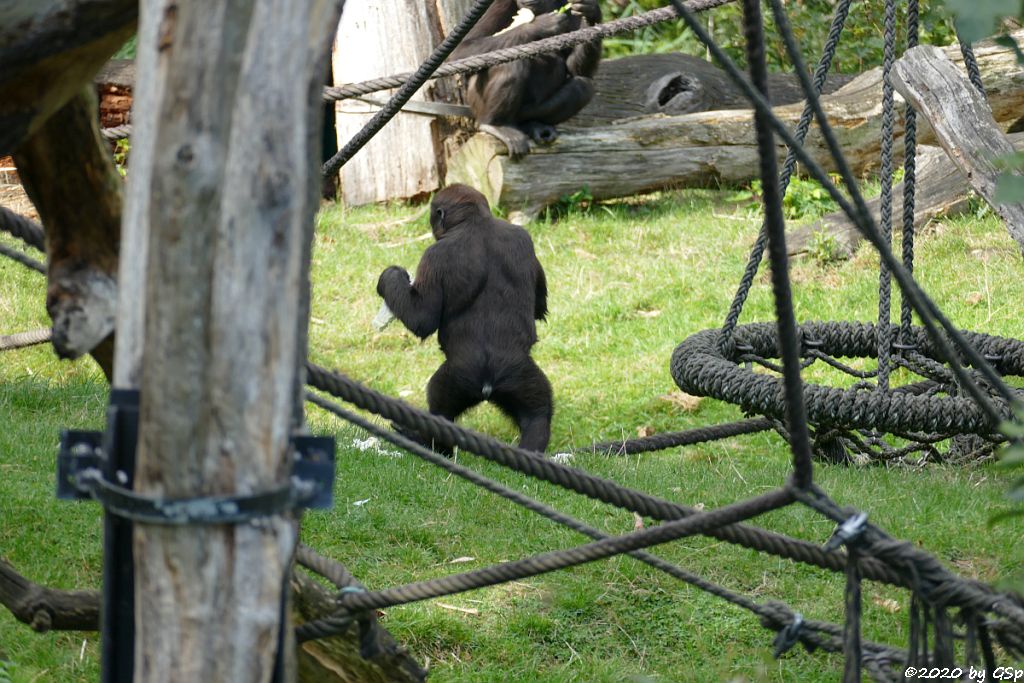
column 47, row 609
column 48, row 50
column 962, row 121
column 81, row 212
column 646, row 153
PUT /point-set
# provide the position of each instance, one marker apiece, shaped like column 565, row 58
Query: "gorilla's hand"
column 391, row 278
column 588, row 9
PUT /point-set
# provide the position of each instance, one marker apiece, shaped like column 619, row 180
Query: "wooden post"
column 405, row 159
column 962, row 121
column 224, row 184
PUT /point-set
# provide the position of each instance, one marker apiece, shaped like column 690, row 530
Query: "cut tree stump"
column 942, row 190
column 962, row 121
column 646, row 153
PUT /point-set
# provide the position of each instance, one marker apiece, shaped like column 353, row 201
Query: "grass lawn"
column 628, row 281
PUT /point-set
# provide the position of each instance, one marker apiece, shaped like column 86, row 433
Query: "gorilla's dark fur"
column 527, row 98
column 481, row 287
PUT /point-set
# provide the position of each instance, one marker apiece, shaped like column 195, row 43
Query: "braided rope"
column 909, row 179
column 25, row 229
column 20, row 340
column 885, row 200
column 803, row 126
column 970, row 61
column 688, row 437
column 23, row 259
column 408, row 89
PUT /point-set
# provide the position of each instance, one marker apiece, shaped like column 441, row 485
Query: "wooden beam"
column 49, row 49
column 963, row 123
column 708, row 148
column 227, row 118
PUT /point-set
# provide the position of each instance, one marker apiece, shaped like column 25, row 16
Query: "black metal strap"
column 202, row 510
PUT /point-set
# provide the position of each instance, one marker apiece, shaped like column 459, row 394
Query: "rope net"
column 959, row 393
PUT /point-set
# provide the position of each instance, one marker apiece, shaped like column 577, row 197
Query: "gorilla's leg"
column 525, row 395
column 448, row 396
column 565, row 103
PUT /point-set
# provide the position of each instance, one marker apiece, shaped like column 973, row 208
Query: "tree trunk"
column 647, row 153
column 962, row 121
column 405, row 159
column 226, row 188
column 48, row 50
column 82, row 216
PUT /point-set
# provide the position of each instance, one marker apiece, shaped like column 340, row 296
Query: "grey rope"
column 20, row 340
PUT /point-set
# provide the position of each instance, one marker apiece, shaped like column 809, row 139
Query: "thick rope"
column 932, row 317
column 23, row 259
column 688, row 437
column 25, row 229
column 408, row 89
column 970, row 62
column 21, row 340
column 885, row 200
column 539, row 467
column 909, row 180
column 803, row 126
column 702, row 523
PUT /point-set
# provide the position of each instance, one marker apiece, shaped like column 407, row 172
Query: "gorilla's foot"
column 515, row 140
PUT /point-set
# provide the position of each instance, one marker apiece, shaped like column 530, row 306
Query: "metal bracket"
column 81, row 460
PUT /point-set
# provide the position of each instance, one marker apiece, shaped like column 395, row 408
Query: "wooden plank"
column 229, row 97
column 962, row 121
column 376, row 39
column 707, row 148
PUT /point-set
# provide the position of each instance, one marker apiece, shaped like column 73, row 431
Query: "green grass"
column 628, row 281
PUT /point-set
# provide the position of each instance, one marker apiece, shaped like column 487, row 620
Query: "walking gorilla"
column 481, row 287
column 525, row 99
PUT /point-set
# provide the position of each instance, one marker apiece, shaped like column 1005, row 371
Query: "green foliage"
column 121, row 150
column 127, row 50
column 1011, row 459
column 978, row 19
column 804, row 198
column 824, row 248
column 6, row 671
column 578, row 203
column 860, row 47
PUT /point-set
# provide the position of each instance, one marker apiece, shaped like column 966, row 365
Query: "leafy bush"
column 860, row 47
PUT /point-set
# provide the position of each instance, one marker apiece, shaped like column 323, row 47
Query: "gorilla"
column 481, row 288
column 525, row 99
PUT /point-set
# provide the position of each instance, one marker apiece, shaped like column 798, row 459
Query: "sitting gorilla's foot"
column 542, row 133
column 413, row 435
column 515, row 140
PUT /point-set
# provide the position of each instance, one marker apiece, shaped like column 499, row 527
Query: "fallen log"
column 942, row 190
column 646, row 153
column 962, row 122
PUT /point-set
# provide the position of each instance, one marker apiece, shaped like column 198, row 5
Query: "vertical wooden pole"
column 223, row 187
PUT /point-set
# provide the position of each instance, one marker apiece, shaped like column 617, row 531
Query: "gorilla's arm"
column 543, row 26
column 540, row 302
column 418, row 305
column 584, row 58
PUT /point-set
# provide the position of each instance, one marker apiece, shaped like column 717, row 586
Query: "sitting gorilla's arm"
column 418, row 305
column 584, row 58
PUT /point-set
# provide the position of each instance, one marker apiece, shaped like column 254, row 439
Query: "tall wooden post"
column 223, row 186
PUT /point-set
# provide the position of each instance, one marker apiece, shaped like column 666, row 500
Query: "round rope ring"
column 699, row 367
